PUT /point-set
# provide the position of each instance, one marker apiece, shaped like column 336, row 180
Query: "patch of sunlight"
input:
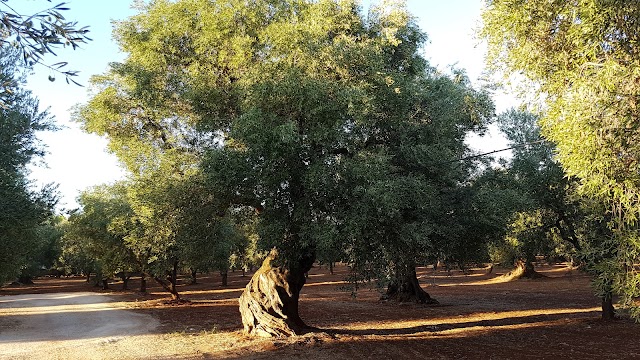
column 316, row 275
column 134, row 346
column 46, row 297
column 209, row 292
column 467, row 331
column 40, row 310
column 462, row 332
column 470, row 318
column 559, row 269
column 493, row 280
column 453, row 276
column 326, row 283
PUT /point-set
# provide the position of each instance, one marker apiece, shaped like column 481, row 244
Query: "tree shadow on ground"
column 540, row 319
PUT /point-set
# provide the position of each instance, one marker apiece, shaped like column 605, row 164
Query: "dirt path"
column 70, row 326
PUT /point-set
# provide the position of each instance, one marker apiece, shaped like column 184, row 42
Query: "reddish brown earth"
column 479, row 317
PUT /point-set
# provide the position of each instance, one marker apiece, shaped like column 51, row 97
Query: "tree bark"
column 143, row 283
column 194, row 276
column 25, row 279
column 524, row 269
column 125, row 281
column 174, row 278
column 331, row 267
column 269, row 303
column 225, row 276
column 405, row 287
column 171, row 286
column 608, row 311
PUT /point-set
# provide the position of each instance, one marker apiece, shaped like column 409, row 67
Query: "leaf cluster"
column 41, row 33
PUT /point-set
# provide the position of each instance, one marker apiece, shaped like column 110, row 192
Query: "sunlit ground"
column 481, row 315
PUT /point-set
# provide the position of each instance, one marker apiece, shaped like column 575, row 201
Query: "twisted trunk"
column 608, row 311
column 172, row 279
column 125, row 280
column 269, row 303
column 524, row 269
column 405, row 287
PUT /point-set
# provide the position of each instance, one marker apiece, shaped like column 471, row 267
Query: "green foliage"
column 583, row 59
column 415, row 199
column 141, row 107
column 329, row 125
column 39, row 34
column 93, row 241
column 547, row 213
column 23, row 209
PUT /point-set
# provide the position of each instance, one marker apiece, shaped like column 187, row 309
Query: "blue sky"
column 77, row 160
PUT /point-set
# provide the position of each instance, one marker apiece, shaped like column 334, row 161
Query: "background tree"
column 206, row 236
column 583, row 59
column 413, row 203
column 42, row 255
column 24, row 209
column 548, row 213
column 94, row 230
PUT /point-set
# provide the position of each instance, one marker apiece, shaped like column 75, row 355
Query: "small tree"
column 93, row 231
column 548, row 213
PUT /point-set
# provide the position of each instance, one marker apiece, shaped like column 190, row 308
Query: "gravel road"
column 72, row 326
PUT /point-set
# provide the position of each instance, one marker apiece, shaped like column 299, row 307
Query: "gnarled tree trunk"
column 405, row 287
column 608, row 311
column 25, row 279
column 524, row 269
column 269, row 303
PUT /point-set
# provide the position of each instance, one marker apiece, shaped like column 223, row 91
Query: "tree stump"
column 269, row 303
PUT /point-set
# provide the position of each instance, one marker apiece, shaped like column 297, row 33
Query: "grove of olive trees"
column 279, row 133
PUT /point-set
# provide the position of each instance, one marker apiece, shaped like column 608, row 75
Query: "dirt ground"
column 66, row 325
column 479, row 316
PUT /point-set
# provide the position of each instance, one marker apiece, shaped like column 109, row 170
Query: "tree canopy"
column 582, row 57
column 24, row 209
column 322, row 120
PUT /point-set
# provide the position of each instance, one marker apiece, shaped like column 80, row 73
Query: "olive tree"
column 582, row 58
